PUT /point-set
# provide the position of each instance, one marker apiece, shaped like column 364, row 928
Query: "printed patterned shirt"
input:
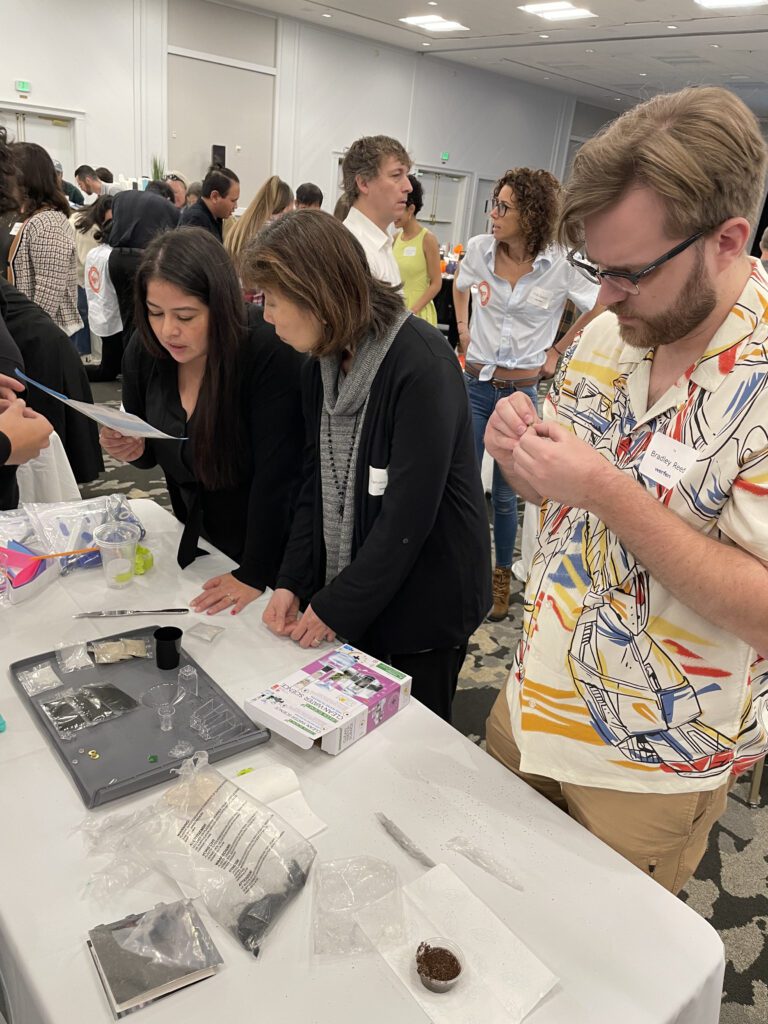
column 616, row 683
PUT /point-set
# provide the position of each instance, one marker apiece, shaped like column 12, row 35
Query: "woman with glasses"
column 390, row 477
column 521, row 282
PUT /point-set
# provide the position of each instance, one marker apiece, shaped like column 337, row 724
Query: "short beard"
column 693, row 305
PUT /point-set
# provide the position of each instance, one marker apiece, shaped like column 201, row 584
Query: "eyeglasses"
column 623, row 279
column 499, row 208
column 172, row 177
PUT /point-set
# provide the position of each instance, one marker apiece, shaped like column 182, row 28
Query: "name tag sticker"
column 666, row 461
column 16, row 228
column 540, row 297
column 409, row 250
column 377, row 481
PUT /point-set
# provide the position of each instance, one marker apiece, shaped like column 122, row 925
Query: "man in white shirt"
column 91, row 184
column 375, row 171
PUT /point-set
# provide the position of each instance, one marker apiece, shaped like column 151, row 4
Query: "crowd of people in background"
column 333, row 438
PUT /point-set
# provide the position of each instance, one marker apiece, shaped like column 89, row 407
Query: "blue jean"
column 82, row 339
column 483, row 397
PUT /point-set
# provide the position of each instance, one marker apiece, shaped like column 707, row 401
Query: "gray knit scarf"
column 345, row 400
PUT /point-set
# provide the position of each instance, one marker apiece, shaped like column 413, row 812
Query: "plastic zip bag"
column 69, row 526
column 209, row 836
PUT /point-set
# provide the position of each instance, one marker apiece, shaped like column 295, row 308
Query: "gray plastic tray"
column 124, row 744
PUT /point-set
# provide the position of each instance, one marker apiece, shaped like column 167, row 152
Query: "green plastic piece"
column 143, row 562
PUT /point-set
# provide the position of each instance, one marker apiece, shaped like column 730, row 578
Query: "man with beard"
column 630, row 702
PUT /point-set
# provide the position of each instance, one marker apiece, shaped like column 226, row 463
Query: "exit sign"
column 445, row 156
column 22, row 85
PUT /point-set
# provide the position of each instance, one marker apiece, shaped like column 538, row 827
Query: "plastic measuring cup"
column 117, row 544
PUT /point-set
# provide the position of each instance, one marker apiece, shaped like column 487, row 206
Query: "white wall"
column 111, row 69
column 333, row 88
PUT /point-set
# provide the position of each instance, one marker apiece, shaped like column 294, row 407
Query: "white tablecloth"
column 624, row 949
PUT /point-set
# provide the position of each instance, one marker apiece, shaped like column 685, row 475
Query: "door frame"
column 77, row 117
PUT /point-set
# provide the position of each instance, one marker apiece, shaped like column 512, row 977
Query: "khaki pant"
column 665, row 835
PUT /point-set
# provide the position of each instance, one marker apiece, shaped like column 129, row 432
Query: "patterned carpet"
column 730, row 889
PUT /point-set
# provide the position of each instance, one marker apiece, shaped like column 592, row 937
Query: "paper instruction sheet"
column 116, row 419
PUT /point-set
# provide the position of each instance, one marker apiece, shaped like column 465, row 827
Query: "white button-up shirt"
column 512, row 326
column 377, row 245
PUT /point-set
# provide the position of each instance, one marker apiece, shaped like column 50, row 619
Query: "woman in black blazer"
column 205, row 367
column 389, row 547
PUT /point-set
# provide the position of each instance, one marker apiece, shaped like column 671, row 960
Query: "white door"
column 443, row 204
column 55, row 134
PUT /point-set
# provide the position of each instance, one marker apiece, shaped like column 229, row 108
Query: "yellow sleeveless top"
column 413, row 269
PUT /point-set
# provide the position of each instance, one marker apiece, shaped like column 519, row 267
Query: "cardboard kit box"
column 336, row 699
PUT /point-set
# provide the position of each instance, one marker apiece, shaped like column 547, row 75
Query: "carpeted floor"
column 730, row 889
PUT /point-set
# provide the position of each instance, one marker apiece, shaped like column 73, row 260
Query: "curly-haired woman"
column 522, row 281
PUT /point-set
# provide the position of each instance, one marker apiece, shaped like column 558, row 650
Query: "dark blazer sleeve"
column 430, row 408
column 134, row 393
column 10, row 360
column 273, row 404
column 50, row 358
column 296, row 570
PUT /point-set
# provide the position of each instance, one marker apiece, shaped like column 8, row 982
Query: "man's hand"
column 222, row 592
column 125, row 449
column 281, row 613
column 27, row 430
column 550, row 364
column 310, row 631
column 558, row 465
column 510, row 420
column 10, row 388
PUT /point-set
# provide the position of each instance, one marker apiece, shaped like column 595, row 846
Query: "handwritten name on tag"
column 666, row 461
column 540, row 297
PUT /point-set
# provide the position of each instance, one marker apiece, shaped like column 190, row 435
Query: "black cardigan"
column 248, row 522
column 10, row 361
column 50, row 358
column 419, row 578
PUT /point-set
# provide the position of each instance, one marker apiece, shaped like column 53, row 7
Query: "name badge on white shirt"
column 540, row 297
column 16, row 227
column 410, row 250
column 666, row 461
column 377, row 481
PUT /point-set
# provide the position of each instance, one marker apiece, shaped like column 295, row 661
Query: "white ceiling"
column 624, row 54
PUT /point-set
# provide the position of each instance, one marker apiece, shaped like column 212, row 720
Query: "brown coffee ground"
column 436, row 963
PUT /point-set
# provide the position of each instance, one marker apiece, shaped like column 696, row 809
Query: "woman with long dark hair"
column 42, row 262
column 389, row 547
column 205, row 367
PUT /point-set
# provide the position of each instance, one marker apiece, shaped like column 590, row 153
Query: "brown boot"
column 501, row 578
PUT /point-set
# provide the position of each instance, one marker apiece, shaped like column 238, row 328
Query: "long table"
column 623, row 948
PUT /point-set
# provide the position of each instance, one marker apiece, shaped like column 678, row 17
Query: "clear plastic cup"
column 117, row 545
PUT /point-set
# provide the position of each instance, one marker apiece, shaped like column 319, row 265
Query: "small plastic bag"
column 171, row 935
column 73, row 710
column 72, row 656
column 64, row 714
column 39, row 678
column 69, row 525
column 137, row 646
column 357, row 905
column 107, row 652
column 209, row 836
column 202, row 631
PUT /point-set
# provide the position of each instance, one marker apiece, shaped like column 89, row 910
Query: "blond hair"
column 273, row 197
column 700, row 150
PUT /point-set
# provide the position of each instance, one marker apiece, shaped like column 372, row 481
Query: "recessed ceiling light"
column 715, row 46
column 326, row 15
column 543, row 35
column 643, row 74
column 431, row 3
column 589, row 51
column 714, row 4
column 435, row 23
column 546, row 78
column 671, row 26
column 429, row 44
column 557, row 11
column 617, row 98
